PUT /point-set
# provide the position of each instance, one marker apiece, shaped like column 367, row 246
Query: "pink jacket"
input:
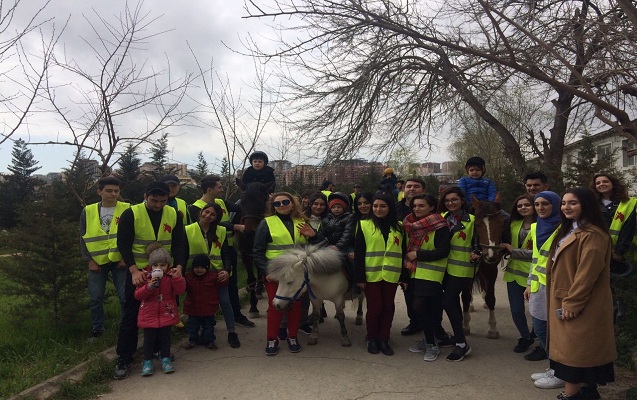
column 158, row 308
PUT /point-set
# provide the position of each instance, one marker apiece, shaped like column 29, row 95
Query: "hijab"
column 546, row 226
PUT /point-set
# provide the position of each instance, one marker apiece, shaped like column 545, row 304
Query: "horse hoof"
column 493, row 335
column 345, row 342
column 472, row 309
column 312, row 341
column 254, row 314
column 359, row 321
column 467, row 331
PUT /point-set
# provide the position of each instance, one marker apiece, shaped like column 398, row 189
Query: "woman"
column 580, row 320
column 523, row 215
column 207, row 237
column 426, row 258
column 378, row 258
column 362, row 206
column 317, row 210
column 283, row 227
column 460, row 264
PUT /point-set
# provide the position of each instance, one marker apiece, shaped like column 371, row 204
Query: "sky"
column 212, row 28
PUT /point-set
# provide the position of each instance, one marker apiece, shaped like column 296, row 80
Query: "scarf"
column 546, row 226
column 417, row 229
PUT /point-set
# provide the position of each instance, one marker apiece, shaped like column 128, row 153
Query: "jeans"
column 540, row 326
column 207, row 327
column 226, row 307
column 97, row 288
column 233, row 289
column 128, row 332
column 516, row 302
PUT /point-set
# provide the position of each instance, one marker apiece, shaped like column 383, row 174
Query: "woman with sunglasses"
column 523, row 215
column 284, row 227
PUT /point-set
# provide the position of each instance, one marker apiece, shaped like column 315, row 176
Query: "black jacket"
column 339, row 231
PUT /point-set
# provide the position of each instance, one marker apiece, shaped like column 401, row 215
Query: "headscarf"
column 546, row 226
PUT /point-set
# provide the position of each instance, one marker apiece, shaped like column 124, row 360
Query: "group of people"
column 560, row 249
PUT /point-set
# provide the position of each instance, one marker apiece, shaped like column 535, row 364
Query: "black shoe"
column 372, row 346
column 293, row 345
column 384, row 347
column 446, row 341
column 233, row 339
column 459, row 353
column 589, row 393
column 96, row 334
column 283, row 334
column 305, row 328
column 122, row 370
column 410, row 330
column 272, row 349
column 538, row 354
column 244, row 321
column 523, row 345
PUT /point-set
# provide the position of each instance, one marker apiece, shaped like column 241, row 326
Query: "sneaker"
column 459, row 353
column 543, row 374
column 273, row 347
column 189, row 345
column 167, row 365
column 305, row 328
column 96, row 333
column 549, row 382
column 122, row 370
column 147, row 368
column 179, row 325
column 283, row 334
column 212, row 346
column 158, row 356
column 419, row 347
column 431, row 353
column 233, row 339
column 538, row 354
column 446, row 341
column 293, row 345
column 523, row 345
column 244, row 321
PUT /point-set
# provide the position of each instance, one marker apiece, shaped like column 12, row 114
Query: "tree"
column 393, row 72
column 20, row 185
column 159, row 157
column 80, row 180
column 588, row 162
column 131, row 176
column 201, row 169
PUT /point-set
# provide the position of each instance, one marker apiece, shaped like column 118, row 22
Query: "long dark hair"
column 313, row 198
column 369, row 196
column 591, row 213
column 391, row 219
column 213, row 225
column 515, row 214
column 442, row 207
column 619, row 189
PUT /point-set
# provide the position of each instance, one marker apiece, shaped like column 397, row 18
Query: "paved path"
column 329, row 371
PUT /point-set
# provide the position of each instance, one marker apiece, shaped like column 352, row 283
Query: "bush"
column 627, row 327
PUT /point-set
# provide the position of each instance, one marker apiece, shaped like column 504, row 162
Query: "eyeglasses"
column 281, row 203
column 454, row 200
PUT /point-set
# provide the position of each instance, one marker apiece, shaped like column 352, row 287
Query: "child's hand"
column 153, row 282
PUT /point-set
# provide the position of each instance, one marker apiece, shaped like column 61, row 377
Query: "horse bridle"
column 504, row 253
column 306, row 282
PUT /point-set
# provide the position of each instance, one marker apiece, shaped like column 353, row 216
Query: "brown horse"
column 489, row 225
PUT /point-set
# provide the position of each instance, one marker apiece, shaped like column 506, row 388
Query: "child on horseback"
column 338, row 229
column 476, row 184
column 259, row 171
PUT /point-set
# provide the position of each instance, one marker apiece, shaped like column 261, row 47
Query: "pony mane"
column 317, row 259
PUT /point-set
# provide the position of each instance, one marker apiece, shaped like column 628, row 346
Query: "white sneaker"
column 431, row 353
column 543, row 374
column 549, row 382
column 419, row 347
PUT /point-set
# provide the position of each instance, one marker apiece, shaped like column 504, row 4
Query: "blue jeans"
column 539, row 326
column 226, row 307
column 97, row 288
column 207, row 327
column 518, row 313
column 233, row 289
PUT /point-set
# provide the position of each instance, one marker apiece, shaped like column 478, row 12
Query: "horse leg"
column 467, row 298
column 316, row 309
column 248, row 264
column 359, row 310
column 340, row 316
column 490, row 301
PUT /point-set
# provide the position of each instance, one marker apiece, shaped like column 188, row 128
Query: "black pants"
column 427, row 315
column 452, row 286
column 409, row 302
column 233, row 289
column 127, row 338
column 156, row 337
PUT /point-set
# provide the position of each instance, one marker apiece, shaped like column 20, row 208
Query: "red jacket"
column 202, row 297
column 158, row 308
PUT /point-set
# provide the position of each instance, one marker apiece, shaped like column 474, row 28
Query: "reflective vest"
column 458, row 263
column 102, row 246
column 518, row 270
column 624, row 209
column 145, row 234
column 431, row 270
column 225, row 218
column 383, row 260
column 281, row 239
column 182, row 207
column 327, row 193
column 197, row 245
column 540, row 259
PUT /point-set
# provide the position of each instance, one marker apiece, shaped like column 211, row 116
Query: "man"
column 413, row 186
column 327, row 187
column 535, row 182
column 356, row 192
column 140, row 225
column 175, row 202
column 98, row 232
column 400, row 186
column 212, row 191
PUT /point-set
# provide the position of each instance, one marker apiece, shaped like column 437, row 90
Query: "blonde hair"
column 296, row 206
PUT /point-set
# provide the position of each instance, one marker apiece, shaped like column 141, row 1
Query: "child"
column 259, row 171
column 476, row 184
column 158, row 311
column 202, row 303
column 388, row 182
column 337, row 227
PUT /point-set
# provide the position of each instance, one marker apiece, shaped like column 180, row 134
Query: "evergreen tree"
column 581, row 172
column 129, row 172
column 201, row 169
column 80, row 180
column 159, row 157
column 432, row 185
column 19, row 187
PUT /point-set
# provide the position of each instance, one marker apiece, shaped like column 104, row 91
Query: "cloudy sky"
column 208, row 26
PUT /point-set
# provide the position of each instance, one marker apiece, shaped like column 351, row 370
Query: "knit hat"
column 159, row 256
column 475, row 162
column 338, row 198
column 259, row 155
column 388, row 171
column 201, row 260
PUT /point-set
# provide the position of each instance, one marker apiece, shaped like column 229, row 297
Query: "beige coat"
column 579, row 281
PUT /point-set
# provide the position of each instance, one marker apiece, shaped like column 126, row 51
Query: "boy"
column 259, row 170
column 98, row 243
column 476, row 184
column 337, row 227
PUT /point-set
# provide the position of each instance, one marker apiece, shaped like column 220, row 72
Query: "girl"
column 362, row 207
column 378, row 253
column 580, row 320
column 523, row 215
column 284, row 227
column 428, row 249
column 158, row 311
column 317, row 210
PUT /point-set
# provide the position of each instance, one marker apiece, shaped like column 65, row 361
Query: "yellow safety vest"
column 182, row 207
column 518, row 270
column 624, row 209
column 540, row 259
column 327, row 193
column 226, row 218
column 197, row 245
column 458, row 263
column 431, row 270
column 383, row 260
column 102, row 246
column 145, row 234
column 281, row 239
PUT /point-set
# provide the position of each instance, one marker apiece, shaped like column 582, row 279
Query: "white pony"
column 317, row 270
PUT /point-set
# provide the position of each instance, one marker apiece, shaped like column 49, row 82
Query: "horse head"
column 489, row 223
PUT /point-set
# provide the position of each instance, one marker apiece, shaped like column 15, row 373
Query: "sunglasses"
column 281, row 203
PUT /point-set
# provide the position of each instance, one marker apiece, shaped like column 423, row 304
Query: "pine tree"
column 129, row 172
column 581, row 172
column 201, row 169
column 159, row 157
column 19, row 189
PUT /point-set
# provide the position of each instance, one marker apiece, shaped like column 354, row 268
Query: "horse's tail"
column 316, row 258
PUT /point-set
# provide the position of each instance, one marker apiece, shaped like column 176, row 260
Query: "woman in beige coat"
column 580, row 326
